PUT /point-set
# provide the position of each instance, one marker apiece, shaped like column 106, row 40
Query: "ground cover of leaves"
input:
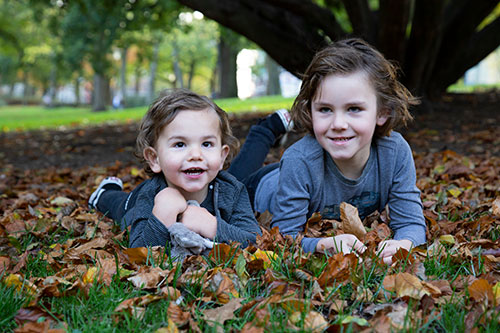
column 64, row 267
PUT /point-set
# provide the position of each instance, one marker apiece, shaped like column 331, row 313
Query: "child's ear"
column 151, row 157
column 224, row 152
column 382, row 117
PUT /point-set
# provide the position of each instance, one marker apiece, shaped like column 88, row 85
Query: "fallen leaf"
column 221, row 314
column 480, row 290
column 351, row 223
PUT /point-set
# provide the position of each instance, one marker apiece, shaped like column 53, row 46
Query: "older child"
column 349, row 102
column 184, row 140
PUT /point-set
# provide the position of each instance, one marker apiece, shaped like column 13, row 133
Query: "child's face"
column 189, row 152
column 344, row 117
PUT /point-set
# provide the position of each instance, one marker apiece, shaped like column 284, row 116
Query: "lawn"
column 39, row 117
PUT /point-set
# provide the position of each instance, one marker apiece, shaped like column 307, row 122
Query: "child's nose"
column 339, row 121
column 195, row 153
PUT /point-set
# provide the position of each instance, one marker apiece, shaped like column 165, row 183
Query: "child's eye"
column 354, row 109
column 179, row 144
column 207, row 144
column 324, row 110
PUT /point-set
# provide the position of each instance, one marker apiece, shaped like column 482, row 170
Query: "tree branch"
column 278, row 26
column 423, row 44
column 393, row 21
column 477, row 48
column 361, row 18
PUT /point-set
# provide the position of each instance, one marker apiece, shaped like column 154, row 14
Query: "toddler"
column 184, row 141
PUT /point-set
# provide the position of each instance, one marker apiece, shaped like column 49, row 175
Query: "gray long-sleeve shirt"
column 308, row 181
column 227, row 200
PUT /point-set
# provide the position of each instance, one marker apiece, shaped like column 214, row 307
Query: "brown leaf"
column 221, row 314
column 495, row 207
column 338, row 269
column 179, row 317
column 405, row 284
column 351, row 223
column 480, row 291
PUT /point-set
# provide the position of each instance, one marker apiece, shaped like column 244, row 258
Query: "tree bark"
column 273, row 86
column 152, row 74
column 99, row 93
column 227, row 70
column 123, row 74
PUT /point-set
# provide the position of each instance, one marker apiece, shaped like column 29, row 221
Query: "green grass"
column 39, row 117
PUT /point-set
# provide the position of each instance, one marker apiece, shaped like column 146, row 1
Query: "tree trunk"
column 137, row 79
column 99, row 93
column 435, row 41
column 53, row 86
column 123, row 74
column 152, row 74
column 273, row 86
column 179, row 81
column 77, row 91
column 192, row 67
column 227, row 70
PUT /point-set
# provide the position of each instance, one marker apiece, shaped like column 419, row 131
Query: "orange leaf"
column 338, row 269
column 481, row 290
column 137, row 255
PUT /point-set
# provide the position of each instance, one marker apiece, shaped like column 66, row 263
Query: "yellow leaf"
column 496, row 292
column 134, row 172
column 266, row 256
column 447, row 239
column 171, row 328
column 357, row 320
column 89, row 275
column 18, row 282
column 455, row 192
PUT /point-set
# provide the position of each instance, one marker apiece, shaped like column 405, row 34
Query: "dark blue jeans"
column 114, row 204
column 247, row 166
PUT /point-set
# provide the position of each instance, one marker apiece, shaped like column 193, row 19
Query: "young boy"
column 349, row 102
column 184, row 141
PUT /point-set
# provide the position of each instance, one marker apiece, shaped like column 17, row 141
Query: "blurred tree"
column 273, row 76
column 93, row 26
column 435, row 41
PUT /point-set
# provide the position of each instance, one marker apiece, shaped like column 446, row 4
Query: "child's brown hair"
column 163, row 111
column 346, row 57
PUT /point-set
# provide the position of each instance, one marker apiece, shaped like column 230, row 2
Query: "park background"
column 65, row 268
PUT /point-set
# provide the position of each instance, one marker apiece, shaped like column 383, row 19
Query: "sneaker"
column 286, row 118
column 108, row 183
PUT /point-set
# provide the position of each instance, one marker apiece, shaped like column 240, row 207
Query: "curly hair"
column 346, row 57
column 163, row 111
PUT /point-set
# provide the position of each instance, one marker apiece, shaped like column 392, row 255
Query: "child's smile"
column 344, row 117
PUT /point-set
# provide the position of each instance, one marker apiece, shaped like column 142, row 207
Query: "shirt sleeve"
column 148, row 231
column 292, row 200
column 241, row 226
column 405, row 205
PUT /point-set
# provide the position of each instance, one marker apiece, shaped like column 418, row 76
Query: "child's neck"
column 351, row 169
column 197, row 196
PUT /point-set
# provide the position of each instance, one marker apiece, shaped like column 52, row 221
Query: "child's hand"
column 345, row 243
column 169, row 203
column 199, row 220
column 389, row 247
